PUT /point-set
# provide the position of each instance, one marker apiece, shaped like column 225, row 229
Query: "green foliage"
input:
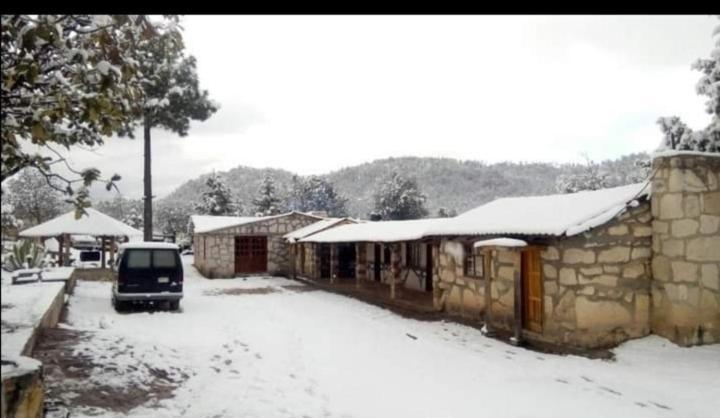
column 70, row 80
column 267, row 203
column 25, row 254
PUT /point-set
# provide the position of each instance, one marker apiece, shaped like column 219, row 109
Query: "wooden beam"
column 112, row 251
column 61, row 250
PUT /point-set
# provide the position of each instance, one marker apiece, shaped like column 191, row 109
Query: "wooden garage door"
column 251, row 254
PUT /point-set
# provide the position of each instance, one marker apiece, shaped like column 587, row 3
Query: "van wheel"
column 120, row 306
column 174, row 305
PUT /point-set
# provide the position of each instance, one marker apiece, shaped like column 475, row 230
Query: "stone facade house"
column 227, row 246
column 586, row 270
column 593, row 269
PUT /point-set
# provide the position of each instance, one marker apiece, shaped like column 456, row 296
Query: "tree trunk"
column 147, row 213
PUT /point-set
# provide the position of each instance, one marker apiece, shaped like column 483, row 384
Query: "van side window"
column 138, row 259
column 164, row 258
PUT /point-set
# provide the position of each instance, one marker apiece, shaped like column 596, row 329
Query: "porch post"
column 293, row 251
column 66, row 259
column 518, row 303
column 333, row 262
column 435, row 256
column 360, row 263
column 488, row 274
column 394, row 267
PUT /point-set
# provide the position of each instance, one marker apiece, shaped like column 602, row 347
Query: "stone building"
column 226, row 246
column 393, row 253
column 586, row 270
column 593, row 269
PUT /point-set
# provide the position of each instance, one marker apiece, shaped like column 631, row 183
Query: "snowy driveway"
column 270, row 347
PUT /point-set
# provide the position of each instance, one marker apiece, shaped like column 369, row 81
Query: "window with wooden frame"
column 412, row 255
column 473, row 263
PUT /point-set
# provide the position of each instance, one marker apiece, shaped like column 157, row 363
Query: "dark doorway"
column 378, row 262
column 250, row 254
column 346, row 261
column 325, row 261
column 428, row 268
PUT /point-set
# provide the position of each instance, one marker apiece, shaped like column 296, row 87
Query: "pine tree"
column 172, row 97
column 590, row 177
column 133, row 218
column 267, row 203
column 69, row 80
column 400, row 198
column 32, row 197
column 444, row 213
column 217, row 200
column 317, row 194
column 676, row 134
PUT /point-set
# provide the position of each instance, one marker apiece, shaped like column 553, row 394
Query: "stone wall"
column 217, row 254
column 686, row 248
column 596, row 286
column 454, row 292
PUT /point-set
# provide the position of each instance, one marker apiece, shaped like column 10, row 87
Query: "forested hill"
column 449, row 183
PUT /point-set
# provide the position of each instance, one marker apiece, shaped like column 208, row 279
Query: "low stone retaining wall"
column 22, row 381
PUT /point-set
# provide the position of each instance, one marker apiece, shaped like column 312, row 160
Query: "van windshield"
column 139, row 258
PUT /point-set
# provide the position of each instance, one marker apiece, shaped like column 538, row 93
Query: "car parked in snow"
column 147, row 272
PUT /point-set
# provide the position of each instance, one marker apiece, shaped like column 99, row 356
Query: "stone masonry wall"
column 453, row 291
column 596, row 286
column 686, row 248
column 220, row 245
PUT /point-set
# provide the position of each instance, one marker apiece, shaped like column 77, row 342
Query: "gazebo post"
column 112, row 250
column 102, row 252
column 61, row 250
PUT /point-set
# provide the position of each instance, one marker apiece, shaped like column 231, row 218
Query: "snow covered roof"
column 314, row 228
column 500, row 242
column 205, row 223
column 381, row 231
column 209, row 223
column 148, row 244
column 94, row 223
column 560, row 214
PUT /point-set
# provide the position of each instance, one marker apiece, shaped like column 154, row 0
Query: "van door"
column 150, row 271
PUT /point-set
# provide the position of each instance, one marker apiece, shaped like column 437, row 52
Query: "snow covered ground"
column 269, row 347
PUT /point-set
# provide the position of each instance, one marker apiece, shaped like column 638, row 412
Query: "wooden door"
column 250, row 254
column 428, row 268
column 531, row 290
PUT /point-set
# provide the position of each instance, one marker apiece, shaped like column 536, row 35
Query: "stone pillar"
column 333, row 262
column 360, row 263
column 395, row 253
column 686, row 248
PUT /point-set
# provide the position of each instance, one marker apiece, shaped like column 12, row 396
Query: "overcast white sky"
column 312, row 94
